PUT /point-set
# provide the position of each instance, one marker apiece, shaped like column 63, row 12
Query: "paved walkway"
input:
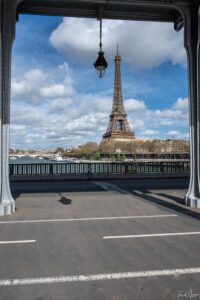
column 122, row 239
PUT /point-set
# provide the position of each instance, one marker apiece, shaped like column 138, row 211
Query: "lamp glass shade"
column 100, row 64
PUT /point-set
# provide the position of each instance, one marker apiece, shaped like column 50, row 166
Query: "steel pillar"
column 7, row 34
column 191, row 43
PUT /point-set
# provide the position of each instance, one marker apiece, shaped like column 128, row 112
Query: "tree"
column 113, row 157
column 118, row 156
column 59, row 150
column 123, row 156
column 97, row 156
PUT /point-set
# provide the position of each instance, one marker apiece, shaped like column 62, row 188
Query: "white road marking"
column 17, row 242
column 150, row 235
column 111, row 188
column 88, row 219
column 95, row 277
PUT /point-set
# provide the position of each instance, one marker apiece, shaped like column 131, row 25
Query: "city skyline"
column 58, row 100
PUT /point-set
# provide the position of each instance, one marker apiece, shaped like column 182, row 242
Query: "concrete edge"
column 75, row 177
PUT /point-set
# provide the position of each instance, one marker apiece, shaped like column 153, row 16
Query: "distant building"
column 118, row 126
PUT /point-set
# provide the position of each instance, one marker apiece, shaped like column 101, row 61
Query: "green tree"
column 123, row 156
column 118, row 156
column 113, row 157
column 97, row 156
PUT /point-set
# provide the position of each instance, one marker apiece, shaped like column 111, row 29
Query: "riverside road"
column 96, row 240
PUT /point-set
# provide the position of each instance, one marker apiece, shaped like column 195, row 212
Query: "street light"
column 100, row 64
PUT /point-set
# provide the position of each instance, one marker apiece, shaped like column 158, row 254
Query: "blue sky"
column 57, row 99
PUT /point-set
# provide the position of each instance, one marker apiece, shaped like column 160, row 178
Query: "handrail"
column 98, row 168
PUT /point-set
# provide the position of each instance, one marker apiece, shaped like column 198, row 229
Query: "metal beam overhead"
column 125, row 10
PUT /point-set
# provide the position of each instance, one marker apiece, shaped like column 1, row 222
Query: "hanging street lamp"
column 100, row 64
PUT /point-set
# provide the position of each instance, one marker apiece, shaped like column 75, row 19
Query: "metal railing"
column 98, row 168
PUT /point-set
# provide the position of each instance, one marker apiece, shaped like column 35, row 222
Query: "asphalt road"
column 106, row 231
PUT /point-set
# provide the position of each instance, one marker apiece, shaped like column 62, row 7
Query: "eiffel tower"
column 118, row 127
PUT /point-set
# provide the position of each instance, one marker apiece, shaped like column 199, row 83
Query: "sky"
column 57, row 99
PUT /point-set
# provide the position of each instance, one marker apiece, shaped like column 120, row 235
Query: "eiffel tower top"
column 118, row 126
column 118, row 106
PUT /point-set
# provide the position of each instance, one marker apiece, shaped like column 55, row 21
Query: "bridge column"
column 191, row 40
column 7, row 34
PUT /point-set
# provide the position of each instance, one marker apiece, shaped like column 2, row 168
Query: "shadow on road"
column 64, row 200
column 172, row 197
column 15, row 194
column 146, row 195
column 53, row 187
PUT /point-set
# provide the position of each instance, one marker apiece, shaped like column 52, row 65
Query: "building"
column 118, row 127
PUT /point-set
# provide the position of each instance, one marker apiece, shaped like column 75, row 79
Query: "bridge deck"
column 63, row 230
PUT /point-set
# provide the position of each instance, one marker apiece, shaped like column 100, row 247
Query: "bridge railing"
column 98, row 168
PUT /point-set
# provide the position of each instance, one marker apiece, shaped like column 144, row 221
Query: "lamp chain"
column 100, row 19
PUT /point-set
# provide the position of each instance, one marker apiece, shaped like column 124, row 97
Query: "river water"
column 30, row 160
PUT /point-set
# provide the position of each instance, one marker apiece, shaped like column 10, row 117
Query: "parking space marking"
column 150, row 235
column 97, row 277
column 17, row 242
column 88, row 219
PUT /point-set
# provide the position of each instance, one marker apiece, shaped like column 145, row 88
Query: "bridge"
column 183, row 13
column 125, row 240
column 100, row 239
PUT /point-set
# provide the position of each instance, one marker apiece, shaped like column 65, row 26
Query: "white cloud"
column 67, row 120
column 177, row 134
column 59, row 104
column 25, row 86
column 77, row 122
column 166, row 123
column 29, row 141
column 134, row 105
column 176, row 114
column 38, row 83
column 150, row 132
column 56, row 90
column 136, row 124
column 181, row 103
column 174, row 134
column 149, row 44
column 26, row 116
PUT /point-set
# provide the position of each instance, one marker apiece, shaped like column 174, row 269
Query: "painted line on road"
column 17, row 242
column 150, row 235
column 97, row 277
column 110, row 187
column 88, row 219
